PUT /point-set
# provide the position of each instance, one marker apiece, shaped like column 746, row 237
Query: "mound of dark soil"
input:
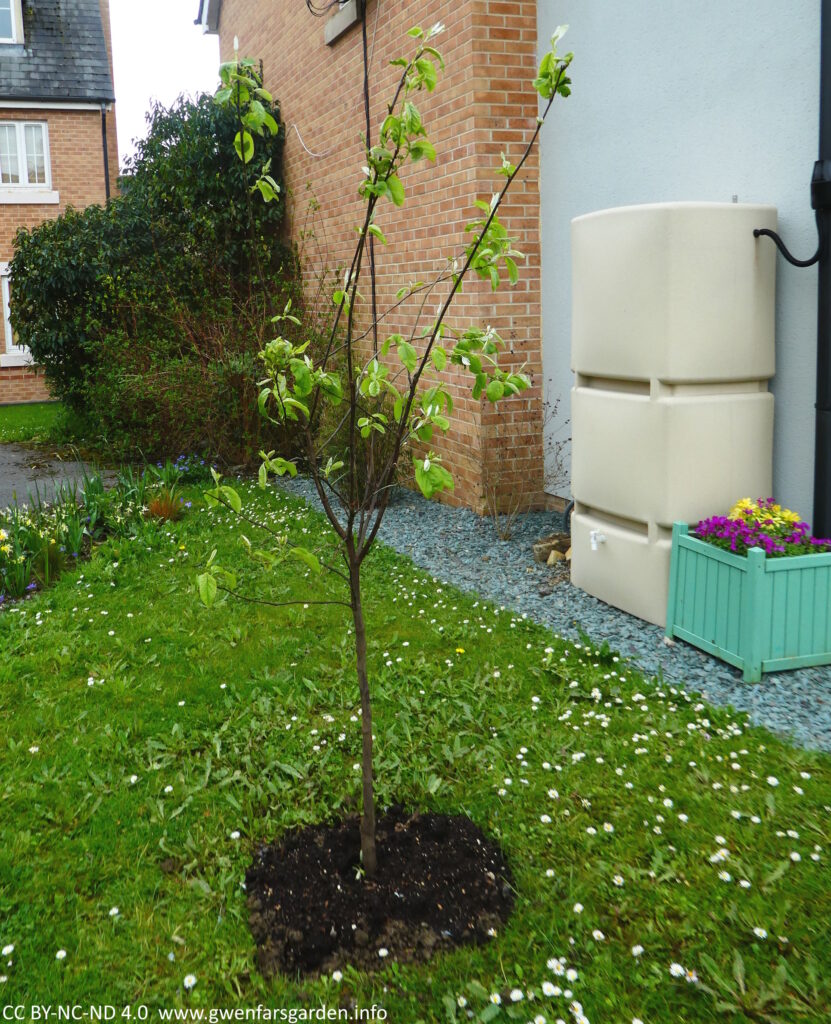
column 440, row 883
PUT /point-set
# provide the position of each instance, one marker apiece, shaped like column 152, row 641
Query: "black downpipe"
column 105, row 150
column 821, row 200
column 821, row 203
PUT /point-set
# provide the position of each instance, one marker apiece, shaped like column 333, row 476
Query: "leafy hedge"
column 147, row 311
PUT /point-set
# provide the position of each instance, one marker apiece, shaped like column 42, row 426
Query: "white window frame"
column 14, row 355
column 23, row 192
column 22, row 162
column 17, row 24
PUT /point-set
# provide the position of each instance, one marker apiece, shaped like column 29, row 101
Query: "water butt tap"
column 596, row 538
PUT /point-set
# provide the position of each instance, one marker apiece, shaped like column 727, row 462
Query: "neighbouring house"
column 671, row 102
column 58, row 143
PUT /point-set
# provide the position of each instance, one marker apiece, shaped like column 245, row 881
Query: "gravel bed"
column 797, row 704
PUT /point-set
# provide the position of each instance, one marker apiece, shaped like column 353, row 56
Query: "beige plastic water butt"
column 673, row 346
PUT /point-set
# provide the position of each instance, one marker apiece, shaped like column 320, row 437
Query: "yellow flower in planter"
column 763, row 512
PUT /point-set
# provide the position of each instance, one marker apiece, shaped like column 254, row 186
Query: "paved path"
column 24, row 470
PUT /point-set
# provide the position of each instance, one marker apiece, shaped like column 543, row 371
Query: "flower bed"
column 38, row 542
column 752, row 588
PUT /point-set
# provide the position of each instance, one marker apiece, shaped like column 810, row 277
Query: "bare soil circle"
column 440, row 883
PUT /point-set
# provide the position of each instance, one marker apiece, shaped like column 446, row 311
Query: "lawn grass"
column 27, row 422
column 141, row 734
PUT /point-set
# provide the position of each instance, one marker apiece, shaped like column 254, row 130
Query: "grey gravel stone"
column 796, row 704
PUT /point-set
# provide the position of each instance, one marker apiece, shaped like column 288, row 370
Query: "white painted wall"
column 674, row 101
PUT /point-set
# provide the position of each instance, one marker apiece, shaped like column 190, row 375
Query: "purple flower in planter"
column 749, row 530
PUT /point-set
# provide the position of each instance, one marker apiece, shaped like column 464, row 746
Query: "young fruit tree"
column 382, row 394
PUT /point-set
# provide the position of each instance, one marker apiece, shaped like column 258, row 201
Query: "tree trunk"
column 368, row 854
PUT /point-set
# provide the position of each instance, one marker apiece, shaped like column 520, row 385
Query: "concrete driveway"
column 23, row 471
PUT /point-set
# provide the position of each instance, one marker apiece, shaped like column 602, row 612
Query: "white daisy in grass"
column 189, row 981
column 637, row 950
column 61, row 954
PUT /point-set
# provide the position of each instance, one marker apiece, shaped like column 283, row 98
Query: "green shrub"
column 147, row 314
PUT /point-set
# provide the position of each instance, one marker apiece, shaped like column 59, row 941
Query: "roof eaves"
column 208, row 16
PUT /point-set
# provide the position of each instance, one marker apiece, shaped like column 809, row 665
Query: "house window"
column 11, row 30
column 24, row 154
column 14, row 354
column 6, row 22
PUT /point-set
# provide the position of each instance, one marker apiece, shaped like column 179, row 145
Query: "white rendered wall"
column 679, row 101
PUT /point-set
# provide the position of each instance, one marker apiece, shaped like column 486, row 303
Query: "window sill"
column 16, row 359
column 29, row 196
column 341, row 22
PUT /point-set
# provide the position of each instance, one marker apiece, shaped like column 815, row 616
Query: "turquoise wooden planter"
column 759, row 614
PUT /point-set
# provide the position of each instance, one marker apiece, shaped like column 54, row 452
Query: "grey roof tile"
column 63, row 57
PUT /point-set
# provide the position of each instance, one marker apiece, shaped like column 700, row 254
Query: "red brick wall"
column 22, row 384
column 77, row 169
column 484, row 105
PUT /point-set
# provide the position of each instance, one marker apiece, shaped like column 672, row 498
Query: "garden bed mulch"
column 440, row 883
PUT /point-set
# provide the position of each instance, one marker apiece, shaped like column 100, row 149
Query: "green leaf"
column 307, row 557
column 427, row 69
column 244, row 145
column 495, row 390
column 207, row 588
column 416, row 32
column 408, row 355
column 439, row 357
column 431, row 476
column 302, row 377
column 231, row 497
column 396, row 190
column 374, row 230
column 513, row 273
column 421, row 148
column 267, row 190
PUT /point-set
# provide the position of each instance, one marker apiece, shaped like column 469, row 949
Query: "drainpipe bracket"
column 821, row 185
